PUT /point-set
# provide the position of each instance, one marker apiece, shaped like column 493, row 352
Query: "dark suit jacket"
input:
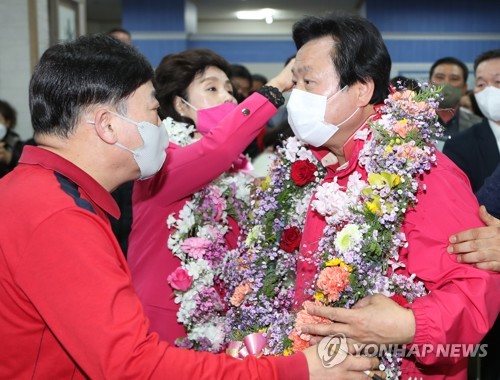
column 475, row 151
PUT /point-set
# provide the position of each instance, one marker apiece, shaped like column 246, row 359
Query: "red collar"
column 33, row 155
column 350, row 148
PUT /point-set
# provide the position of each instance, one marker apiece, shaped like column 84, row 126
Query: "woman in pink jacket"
column 193, row 88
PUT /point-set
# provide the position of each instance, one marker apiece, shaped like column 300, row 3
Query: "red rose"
column 399, row 299
column 303, row 172
column 180, row 279
column 290, row 240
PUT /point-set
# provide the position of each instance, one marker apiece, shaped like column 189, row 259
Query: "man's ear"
column 365, row 92
column 104, row 127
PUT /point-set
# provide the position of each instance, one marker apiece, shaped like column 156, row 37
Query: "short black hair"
column 118, row 30
column 90, row 70
column 259, row 78
column 400, row 81
column 240, row 71
column 9, row 113
column 175, row 73
column 359, row 53
column 451, row 61
column 490, row 54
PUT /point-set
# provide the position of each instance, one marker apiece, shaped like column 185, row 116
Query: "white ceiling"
column 109, row 11
column 212, row 10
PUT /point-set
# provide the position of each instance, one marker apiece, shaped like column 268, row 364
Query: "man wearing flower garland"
column 341, row 73
column 69, row 309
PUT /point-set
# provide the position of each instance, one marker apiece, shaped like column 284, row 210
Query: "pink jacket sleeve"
column 463, row 302
column 188, row 169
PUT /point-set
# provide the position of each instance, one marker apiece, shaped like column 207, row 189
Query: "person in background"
column 258, row 80
column 242, row 81
column 121, row 34
column 452, row 73
column 69, row 309
column 402, row 81
column 477, row 150
column 11, row 145
column 123, row 194
column 468, row 103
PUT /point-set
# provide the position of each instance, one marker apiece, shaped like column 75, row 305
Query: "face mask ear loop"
column 124, row 147
column 338, row 92
column 188, row 104
column 349, row 118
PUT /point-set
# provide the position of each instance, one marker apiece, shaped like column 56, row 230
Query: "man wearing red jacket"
column 69, row 309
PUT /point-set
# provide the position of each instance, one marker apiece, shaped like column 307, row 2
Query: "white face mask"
column 306, row 116
column 488, row 101
column 151, row 155
column 3, row 131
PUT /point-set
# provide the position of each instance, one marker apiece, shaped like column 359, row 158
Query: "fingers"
column 364, row 301
column 474, row 239
column 323, row 330
column 336, row 314
column 376, row 374
column 490, row 220
column 489, row 265
column 361, row 363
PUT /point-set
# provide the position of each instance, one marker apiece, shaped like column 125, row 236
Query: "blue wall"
column 426, row 28
column 414, row 32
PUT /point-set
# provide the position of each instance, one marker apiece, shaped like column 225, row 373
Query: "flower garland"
column 198, row 240
column 358, row 252
column 260, row 274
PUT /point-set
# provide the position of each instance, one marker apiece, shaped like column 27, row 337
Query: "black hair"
column 118, row 30
column 490, row 54
column 259, row 78
column 359, row 52
column 177, row 71
column 451, row 61
column 9, row 113
column 240, row 71
column 87, row 71
column 401, row 81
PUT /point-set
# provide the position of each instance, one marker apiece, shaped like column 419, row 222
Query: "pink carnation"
column 332, row 281
column 301, row 341
column 240, row 293
column 218, row 201
column 180, row 279
column 196, row 247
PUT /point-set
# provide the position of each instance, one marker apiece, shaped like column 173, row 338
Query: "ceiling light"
column 260, row 14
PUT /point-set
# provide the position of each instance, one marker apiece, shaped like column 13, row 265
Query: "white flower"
column 171, row 220
column 187, row 306
column 306, row 154
column 201, row 272
column 213, row 332
column 292, row 146
column 186, row 218
column 254, row 235
column 178, row 132
column 299, row 213
column 355, row 184
column 348, row 237
column 332, row 202
column 362, row 134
